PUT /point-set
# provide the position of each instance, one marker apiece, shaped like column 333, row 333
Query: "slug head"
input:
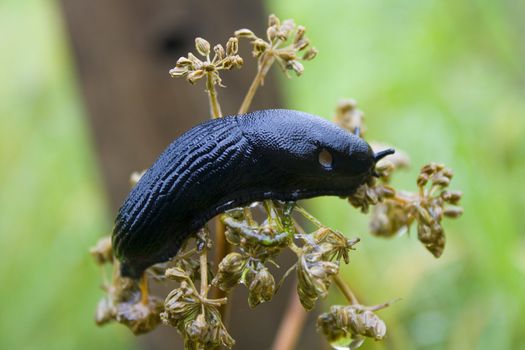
column 314, row 150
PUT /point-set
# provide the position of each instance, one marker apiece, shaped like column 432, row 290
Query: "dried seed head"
column 314, row 278
column 194, row 76
column 286, row 29
column 105, row 312
column 334, row 245
column 261, row 286
column 259, row 47
column 102, row 252
column 287, row 55
column 219, row 52
column 432, row 236
column 197, row 328
column 178, row 72
column 230, row 271
column 388, row 219
column 273, row 20
column 451, row 197
column 301, row 44
column 232, row 46
column 310, row 54
column 138, row 317
column 296, row 66
column 271, row 33
column 453, row 212
column 183, row 62
column 202, row 46
column 353, row 321
column 244, row 33
column 367, row 195
column 299, row 34
column 349, row 117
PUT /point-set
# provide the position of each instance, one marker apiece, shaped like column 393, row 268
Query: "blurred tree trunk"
column 123, row 50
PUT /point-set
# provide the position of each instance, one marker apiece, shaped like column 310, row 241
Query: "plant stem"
column 215, row 107
column 222, row 248
column 345, row 289
column 204, row 271
column 291, row 324
column 265, row 65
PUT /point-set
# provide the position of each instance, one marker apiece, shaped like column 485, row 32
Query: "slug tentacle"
column 230, row 162
column 382, row 154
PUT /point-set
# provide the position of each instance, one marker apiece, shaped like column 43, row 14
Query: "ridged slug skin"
column 230, row 162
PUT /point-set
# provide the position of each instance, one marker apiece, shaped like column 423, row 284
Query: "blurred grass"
column 51, row 202
column 444, row 81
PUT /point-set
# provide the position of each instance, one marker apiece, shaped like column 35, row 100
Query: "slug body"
column 230, row 162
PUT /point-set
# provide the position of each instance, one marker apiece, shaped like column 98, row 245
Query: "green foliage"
column 51, row 200
column 442, row 80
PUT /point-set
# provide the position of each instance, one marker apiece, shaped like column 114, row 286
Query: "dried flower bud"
column 230, row 271
column 334, row 245
column 184, row 62
column 219, row 52
column 364, row 196
column 432, row 237
column 422, row 179
column 353, row 321
column 388, row 219
column 271, row 33
column 105, row 312
column 440, row 180
column 102, row 251
column 424, row 216
column 310, row 54
column 138, row 317
column 244, row 33
column 261, row 287
column 197, row 328
column 299, row 34
column 202, row 46
column 273, row 20
column 296, row 66
column 453, row 212
column 194, row 76
column 314, row 278
column 301, row 44
column 259, row 47
column 197, row 63
column 286, row 29
column 287, row 55
column 232, row 46
column 238, row 61
column 451, row 197
column 349, row 117
column 178, row 72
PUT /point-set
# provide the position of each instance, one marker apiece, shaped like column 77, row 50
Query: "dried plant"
column 246, row 248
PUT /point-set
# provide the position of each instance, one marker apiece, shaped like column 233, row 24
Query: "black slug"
column 230, row 162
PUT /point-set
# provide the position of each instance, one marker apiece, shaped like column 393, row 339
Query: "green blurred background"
column 442, row 80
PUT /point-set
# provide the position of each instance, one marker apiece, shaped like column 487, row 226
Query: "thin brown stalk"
column 204, row 271
column 221, row 245
column 215, row 107
column 264, row 67
column 345, row 289
column 291, row 324
column 222, row 248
